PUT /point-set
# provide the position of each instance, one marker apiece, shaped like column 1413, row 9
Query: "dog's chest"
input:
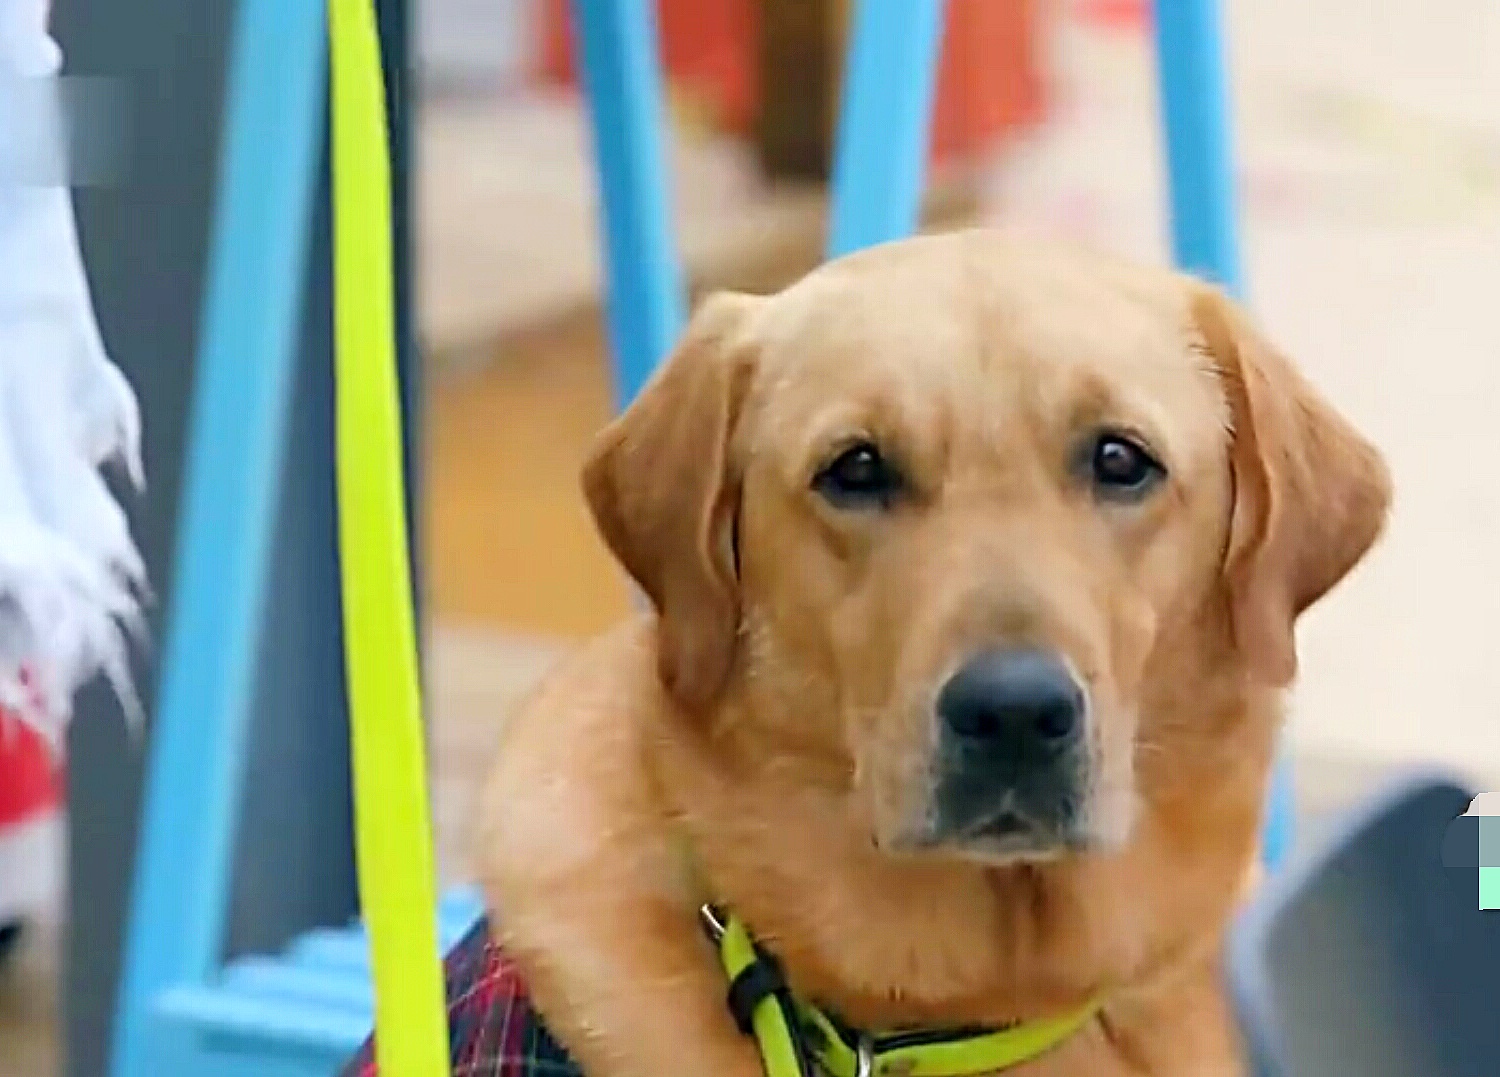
column 495, row 1031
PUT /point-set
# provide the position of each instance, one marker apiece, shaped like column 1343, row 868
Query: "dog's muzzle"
column 1012, row 764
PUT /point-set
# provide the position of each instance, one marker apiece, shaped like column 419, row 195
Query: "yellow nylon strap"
column 965, row 1056
column 393, row 835
column 983, row 1053
column 778, row 1051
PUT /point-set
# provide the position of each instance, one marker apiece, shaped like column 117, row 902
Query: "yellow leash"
column 393, row 834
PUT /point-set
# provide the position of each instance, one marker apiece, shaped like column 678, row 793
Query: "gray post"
column 145, row 245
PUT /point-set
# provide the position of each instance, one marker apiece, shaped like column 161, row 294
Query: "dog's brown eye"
column 1122, row 468
column 859, row 477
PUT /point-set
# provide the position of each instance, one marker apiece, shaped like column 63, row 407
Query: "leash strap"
column 393, row 837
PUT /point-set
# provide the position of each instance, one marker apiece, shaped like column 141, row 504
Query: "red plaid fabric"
column 493, row 1031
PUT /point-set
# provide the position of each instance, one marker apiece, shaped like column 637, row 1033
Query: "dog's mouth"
column 984, row 807
column 1005, row 825
column 1007, row 831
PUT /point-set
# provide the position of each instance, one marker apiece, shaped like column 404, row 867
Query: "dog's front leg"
column 631, row 990
column 589, row 897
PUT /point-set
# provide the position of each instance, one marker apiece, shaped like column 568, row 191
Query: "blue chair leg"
column 622, row 78
column 885, row 119
column 1205, row 237
column 274, row 124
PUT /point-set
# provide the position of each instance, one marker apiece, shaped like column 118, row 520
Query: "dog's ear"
column 1310, row 493
column 664, row 491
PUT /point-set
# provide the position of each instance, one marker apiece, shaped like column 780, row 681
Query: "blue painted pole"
column 885, row 117
column 247, row 346
column 1281, row 814
column 643, row 277
column 1197, row 126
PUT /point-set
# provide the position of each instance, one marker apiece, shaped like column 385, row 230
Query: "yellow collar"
column 797, row 1039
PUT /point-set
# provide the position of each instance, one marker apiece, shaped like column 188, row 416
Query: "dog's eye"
column 1121, row 468
column 859, row 477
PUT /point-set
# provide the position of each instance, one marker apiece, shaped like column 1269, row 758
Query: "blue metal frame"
column 1196, row 121
column 885, row 117
column 274, row 126
column 643, row 277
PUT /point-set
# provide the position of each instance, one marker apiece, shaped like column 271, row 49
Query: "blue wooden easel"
column 182, row 1011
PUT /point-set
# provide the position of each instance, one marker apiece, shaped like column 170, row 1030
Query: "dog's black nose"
column 1014, row 701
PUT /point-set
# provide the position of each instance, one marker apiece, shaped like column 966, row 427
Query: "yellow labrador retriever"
column 974, row 567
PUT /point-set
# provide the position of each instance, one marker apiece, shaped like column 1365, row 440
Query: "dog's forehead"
column 968, row 321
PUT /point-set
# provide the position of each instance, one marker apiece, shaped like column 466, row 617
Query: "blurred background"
column 1368, row 138
column 1369, row 146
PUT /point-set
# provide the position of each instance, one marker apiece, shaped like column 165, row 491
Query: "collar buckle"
column 713, row 923
column 864, row 1056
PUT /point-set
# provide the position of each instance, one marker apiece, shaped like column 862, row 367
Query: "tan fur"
column 763, row 738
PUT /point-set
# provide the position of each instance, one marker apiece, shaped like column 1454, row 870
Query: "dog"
column 973, row 566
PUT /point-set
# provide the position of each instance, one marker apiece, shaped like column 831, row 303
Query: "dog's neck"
column 891, row 942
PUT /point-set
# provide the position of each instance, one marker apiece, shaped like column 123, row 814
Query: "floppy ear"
column 1310, row 493
column 661, row 486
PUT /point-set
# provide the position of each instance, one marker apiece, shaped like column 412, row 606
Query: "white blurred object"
column 70, row 575
column 475, row 45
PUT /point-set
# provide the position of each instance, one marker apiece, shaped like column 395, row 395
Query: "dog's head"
column 941, row 514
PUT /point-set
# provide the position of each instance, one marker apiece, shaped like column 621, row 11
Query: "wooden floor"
column 509, row 542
